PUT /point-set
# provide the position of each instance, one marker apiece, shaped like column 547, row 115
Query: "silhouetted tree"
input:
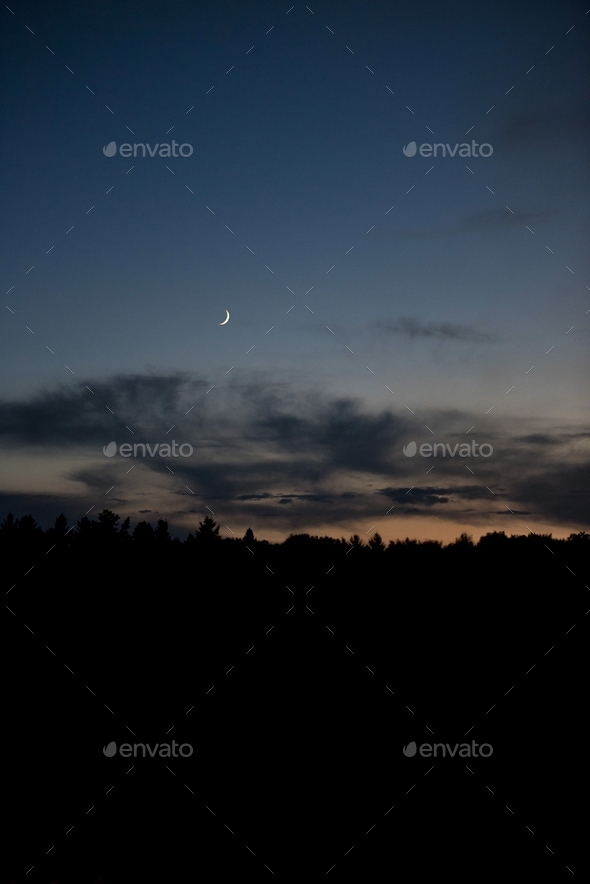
column 61, row 525
column 297, row 539
column 161, row 534
column 59, row 536
column 580, row 541
column 143, row 533
column 124, row 533
column 464, row 540
column 84, row 531
column 376, row 543
column 107, row 519
column 494, row 542
column 8, row 528
column 28, row 529
column 208, row 532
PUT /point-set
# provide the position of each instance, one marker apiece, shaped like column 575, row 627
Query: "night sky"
column 375, row 298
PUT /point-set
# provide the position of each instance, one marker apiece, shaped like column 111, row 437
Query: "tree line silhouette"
column 138, row 615
column 236, row 581
column 18, row 535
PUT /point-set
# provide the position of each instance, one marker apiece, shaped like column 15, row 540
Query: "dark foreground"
column 297, row 673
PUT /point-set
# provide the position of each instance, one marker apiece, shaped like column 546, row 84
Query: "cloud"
column 546, row 121
column 561, row 490
column 415, row 328
column 431, row 495
column 487, row 221
column 99, row 410
column 493, row 220
column 539, row 439
column 287, row 498
column 551, row 440
column 272, row 456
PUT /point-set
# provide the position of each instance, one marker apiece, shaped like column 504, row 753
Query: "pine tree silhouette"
column 9, row 527
column 107, row 524
column 376, row 543
column 161, row 534
column 124, row 533
column 143, row 532
column 208, row 531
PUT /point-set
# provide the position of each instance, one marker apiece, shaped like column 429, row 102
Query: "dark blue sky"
column 448, row 299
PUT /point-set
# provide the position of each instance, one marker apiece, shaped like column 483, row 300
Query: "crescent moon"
column 226, row 318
